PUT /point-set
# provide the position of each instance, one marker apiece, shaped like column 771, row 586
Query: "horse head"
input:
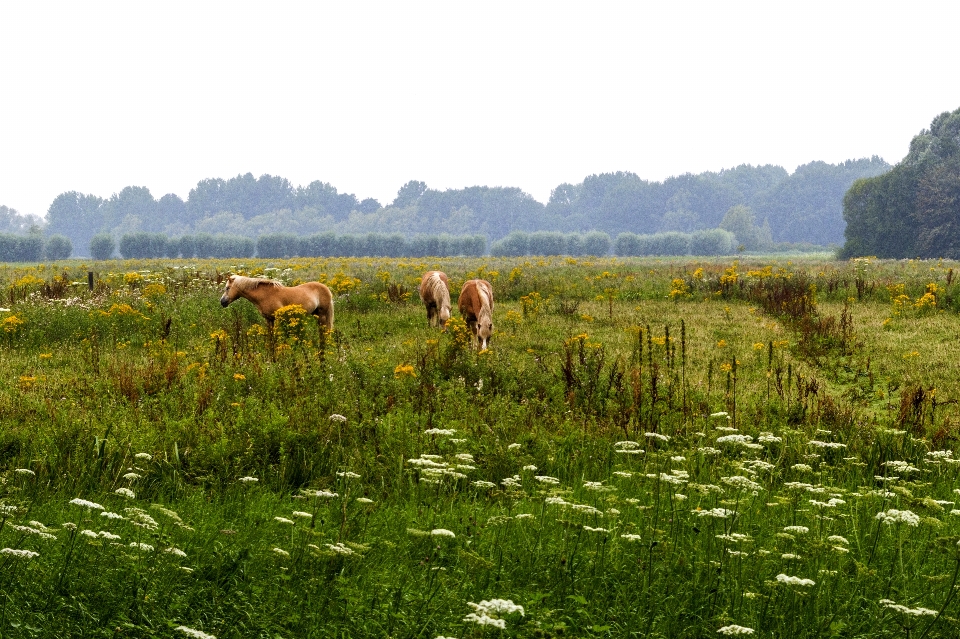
column 484, row 331
column 230, row 293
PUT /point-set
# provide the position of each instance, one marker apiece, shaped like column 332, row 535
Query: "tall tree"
column 409, row 194
column 912, row 210
column 78, row 217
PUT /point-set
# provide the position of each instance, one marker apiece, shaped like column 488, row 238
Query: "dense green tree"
column 57, row 247
column 11, row 221
column 77, row 216
column 368, row 205
column 740, row 222
column 912, row 210
column 20, row 248
column 102, row 246
column 325, row 199
column 712, row 242
column 171, row 212
column 409, row 194
column 278, row 245
column 143, row 245
column 132, row 202
column 808, row 205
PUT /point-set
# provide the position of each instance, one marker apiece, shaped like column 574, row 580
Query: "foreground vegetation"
column 649, row 448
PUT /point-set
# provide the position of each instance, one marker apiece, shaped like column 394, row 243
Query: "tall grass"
column 649, row 448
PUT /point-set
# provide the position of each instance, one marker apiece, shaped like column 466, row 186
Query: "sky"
column 370, row 95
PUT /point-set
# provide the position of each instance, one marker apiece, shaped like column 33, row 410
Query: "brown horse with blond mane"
column 269, row 296
column 435, row 293
column 476, row 306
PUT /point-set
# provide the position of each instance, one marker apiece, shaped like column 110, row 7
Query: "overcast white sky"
column 369, row 95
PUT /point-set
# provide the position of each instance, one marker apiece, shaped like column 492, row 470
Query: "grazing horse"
column 476, row 306
column 269, row 296
column 435, row 294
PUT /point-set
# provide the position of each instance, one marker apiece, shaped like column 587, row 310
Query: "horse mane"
column 244, row 283
column 485, row 311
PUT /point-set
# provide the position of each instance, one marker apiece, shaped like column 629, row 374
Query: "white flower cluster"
column 442, row 532
column 336, row 417
column 19, row 553
column 320, row 494
column 489, row 613
column 83, row 503
column 820, row 444
column 740, row 440
column 440, row 431
column 197, row 634
column 141, row 519
column 734, row 629
column 663, row 438
column 734, row 537
column 769, row 438
column 627, row 447
column 512, row 482
column 833, row 503
column 597, row 486
column 901, row 467
column 914, row 612
column 340, row 549
column 795, row 581
column 718, row 513
column 894, row 516
column 40, row 531
column 741, row 483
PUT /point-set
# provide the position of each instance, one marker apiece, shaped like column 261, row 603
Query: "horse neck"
column 252, row 293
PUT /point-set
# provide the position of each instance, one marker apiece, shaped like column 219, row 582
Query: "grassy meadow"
column 650, row 448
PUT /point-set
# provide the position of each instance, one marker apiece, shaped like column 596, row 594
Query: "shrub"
column 102, row 246
column 57, row 247
column 516, row 244
column 20, row 248
column 713, row 242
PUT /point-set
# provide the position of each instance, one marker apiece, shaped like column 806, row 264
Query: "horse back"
column 471, row 301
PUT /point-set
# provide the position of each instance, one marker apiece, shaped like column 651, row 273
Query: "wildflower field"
column 649, row 448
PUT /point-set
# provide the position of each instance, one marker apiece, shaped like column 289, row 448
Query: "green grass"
column 771, row 443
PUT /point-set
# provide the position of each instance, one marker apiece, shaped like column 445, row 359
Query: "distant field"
column 650, row 447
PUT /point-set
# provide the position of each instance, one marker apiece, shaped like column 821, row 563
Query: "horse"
column 269, row 296
column 476, row 306
column 435, row 294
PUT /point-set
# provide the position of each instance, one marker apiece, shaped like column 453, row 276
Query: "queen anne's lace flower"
column 86, row 504
column 196, row 634
column 894, row 516
column 795, row 581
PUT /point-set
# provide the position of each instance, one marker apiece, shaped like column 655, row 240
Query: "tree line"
column 802, row 207
column 914, row 209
